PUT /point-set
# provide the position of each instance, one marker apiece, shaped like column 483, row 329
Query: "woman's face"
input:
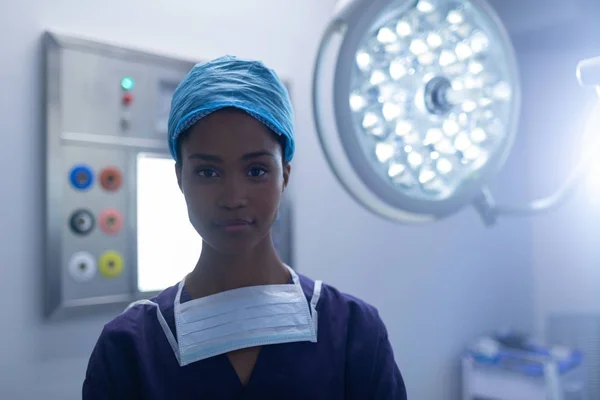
column 232, row 176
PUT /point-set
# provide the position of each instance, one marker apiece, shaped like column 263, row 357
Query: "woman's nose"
column 233, row 196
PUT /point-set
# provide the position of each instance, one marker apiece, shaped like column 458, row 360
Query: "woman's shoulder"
column 370, row 368
column 124, row 344
column 354, row 311
column 141, row 314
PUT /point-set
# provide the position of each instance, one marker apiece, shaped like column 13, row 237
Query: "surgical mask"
column 241, row 318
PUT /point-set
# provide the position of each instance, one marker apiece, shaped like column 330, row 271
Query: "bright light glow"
column 444, row 165
column 434, row 40
column 363, row 60
column 391, row 92
column 357, row 102
column 479, row 42
column 415, row 159
column 168, row 246
column 378, row 131
column 447, row 58
column 462, row 142
column 472, row 82
column 478, row 135
column 593, row 182
column 391, row 111
column 463, row 51
column 377, row 77
column 501, row 91
column 451, row 127
column 413, row 138
column 475, row 67
column 444, row 147
column 397, row 70
column 394, row 47
column 436, row 185
column 469, row 106
column 396, row 169
column 403, row 178
column 456, row 69
column 591, row 149
column 429, row 80
column 403, row 128
column 370, row 120
column 433, row 135
column 418, row 47
column 425, row 6
column 426, row 175
column 463, row 30
column 457, row 85
column 455, row 17
column 472, row 153
column 384, row 151
column 403, row 29
column 386, row 35
column 484, row 101
column 427, row 58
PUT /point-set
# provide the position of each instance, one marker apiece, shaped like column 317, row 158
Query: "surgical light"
column 416, row 105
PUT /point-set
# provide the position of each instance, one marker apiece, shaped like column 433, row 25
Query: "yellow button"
column 111, row 264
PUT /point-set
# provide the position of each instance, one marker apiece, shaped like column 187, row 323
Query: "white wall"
column 437, row 286
column 566, row 250
column 566, row 246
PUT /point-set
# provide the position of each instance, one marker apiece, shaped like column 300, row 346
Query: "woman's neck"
column 216, row 272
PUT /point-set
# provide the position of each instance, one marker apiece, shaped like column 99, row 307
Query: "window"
column 168, row 246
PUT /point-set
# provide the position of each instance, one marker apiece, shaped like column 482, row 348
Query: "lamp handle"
column 489, row 211
column 588, row 75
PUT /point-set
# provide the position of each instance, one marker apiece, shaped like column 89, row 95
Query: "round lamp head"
column 424, row 97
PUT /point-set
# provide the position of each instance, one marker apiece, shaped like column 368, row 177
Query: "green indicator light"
column 127, row 83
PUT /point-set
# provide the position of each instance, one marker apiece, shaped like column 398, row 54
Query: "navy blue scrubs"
column 353, row 359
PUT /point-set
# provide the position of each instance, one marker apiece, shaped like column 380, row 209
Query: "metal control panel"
column 116, row 223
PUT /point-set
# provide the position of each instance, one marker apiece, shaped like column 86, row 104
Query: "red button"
column 127, row 98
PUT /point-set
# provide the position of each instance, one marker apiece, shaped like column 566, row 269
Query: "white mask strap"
column 313, row 301
column 179, row 290
column 313, row 307
column 163, row 323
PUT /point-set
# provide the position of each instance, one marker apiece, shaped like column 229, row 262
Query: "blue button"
column 81, row 177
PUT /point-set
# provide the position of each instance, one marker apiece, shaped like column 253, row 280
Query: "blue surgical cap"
column 232, row 82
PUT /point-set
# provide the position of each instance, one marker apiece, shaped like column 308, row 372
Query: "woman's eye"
column 207, row 173
column 256, row 172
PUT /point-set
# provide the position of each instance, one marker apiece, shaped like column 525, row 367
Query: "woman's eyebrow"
column 205, row 157
column 258, row 154
column 245, row 157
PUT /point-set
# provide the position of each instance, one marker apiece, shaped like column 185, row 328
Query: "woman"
column 242, row 324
